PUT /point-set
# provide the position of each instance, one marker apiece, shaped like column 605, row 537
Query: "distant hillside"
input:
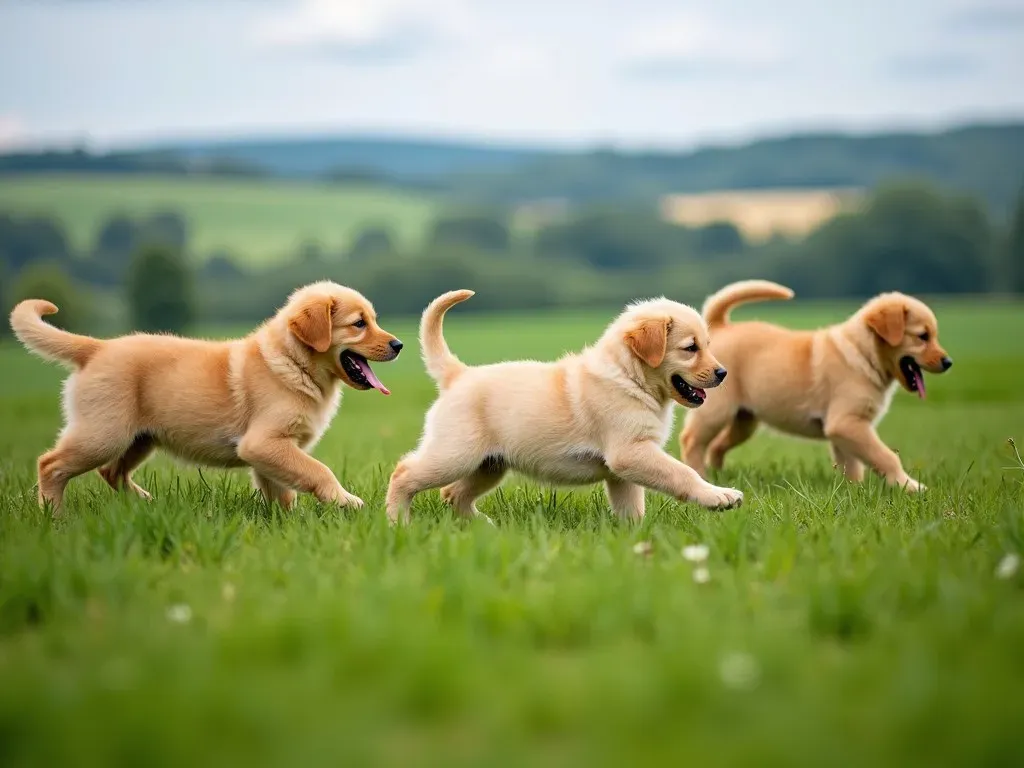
column 984, row 160
column 987, row 161
column 390, row 158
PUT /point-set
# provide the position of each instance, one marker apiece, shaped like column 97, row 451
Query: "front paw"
column 910, row 485
column 714, row 497
column 339, row 496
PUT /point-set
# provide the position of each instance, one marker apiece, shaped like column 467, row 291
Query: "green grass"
column 842, row 625
column 259, row 221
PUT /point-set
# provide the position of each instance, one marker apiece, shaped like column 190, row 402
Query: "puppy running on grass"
column 835, row 383
column 262, row 401
column 601, row 415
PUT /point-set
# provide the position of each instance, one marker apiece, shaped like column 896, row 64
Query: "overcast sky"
column 637, row 73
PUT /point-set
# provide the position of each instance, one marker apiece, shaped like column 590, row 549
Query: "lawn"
column 257, row 220
column 841, row 625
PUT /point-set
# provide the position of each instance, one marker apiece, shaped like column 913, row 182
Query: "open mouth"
column 359, row 372
column 912, row 375
column 693, row 395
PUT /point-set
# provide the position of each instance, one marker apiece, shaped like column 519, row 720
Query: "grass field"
column 259, row 221
column 842, row 625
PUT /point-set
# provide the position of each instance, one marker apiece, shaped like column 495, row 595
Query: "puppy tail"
column 442, row 365
column 46, row 340
column 718, row 305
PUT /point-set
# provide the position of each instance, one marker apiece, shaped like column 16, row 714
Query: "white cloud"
column 363, row 28
column 13, row 132
column 699, row 44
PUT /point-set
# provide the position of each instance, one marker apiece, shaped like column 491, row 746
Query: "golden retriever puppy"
column 262, row 401
column 835, row 383
column 601, row 415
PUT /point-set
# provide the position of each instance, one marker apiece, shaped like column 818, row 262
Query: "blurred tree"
column 166, row 228
column 486, row 233
column 374, row 242
column 117, row 240
column 614, row 240
column 221, row 266
column 719, row 238
column 27, row 240
column 160, row 290
column 49, row 281
column 1015, row 247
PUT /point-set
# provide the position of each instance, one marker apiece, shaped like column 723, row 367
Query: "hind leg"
column 431, row 466
column 850, row 465
column 273, row 491
column 738, row 431
column 118, row 473
column 78, row 451
column 699, row 430
column 462, row 494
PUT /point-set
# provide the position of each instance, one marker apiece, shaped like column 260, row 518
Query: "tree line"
column 908, row 237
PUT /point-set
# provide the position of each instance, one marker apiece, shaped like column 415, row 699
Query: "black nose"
column 396, row 345
column 947, row 363
column 721, row 373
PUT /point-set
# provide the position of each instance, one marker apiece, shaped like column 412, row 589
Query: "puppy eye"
column 924, row 336
column 692, row 348
column 360, row 323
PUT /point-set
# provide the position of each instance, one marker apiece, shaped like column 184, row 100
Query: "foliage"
column 160, row 290
column 613, row 240
column 479, row 231
column 374, row 242
column 24, row 240
column 49, row 281
column 1015, row 247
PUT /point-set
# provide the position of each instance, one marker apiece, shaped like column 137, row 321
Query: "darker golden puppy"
column 835, row 383
column 262, row 401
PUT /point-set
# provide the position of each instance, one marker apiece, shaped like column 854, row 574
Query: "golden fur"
column 835, row 383
column 601, row 415
column 262, row 401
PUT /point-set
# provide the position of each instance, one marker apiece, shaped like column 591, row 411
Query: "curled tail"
column 719, row 304
column 46, row 340
column 442, row 365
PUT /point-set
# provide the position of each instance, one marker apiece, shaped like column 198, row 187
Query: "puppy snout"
column 720, row 374
column 396, row 345
column 946, row 363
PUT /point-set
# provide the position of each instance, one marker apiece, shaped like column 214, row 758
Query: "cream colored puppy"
column 835, row 383
column 262, row 401
column 601, row 415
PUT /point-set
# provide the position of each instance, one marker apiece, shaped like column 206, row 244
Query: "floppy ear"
column 889, row 322
column 648, row 341
column 311, row 323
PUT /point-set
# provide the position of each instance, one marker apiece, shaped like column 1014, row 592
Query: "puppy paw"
column 342, row 498
column 913, row 486
column 714, row 497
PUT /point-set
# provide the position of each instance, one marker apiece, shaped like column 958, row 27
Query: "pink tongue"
column 700, row 392
column 370, row 375
column 919, row 380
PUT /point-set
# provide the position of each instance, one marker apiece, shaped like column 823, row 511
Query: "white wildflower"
column 1008, row 566
column 696, row 553
column 228, row 592
column 701, row 575
column 643, row 548
column 739, row 671
column 179, row 614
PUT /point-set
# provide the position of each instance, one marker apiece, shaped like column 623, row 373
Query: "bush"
column 485, row 233
column 160, row 290
column 51, row 282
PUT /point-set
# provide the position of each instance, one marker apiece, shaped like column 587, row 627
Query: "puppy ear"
column 311, row 323
column 888, row 321
column 649, row 340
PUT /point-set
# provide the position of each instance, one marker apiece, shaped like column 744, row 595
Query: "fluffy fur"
column 835, row 383
column 601, row 415
column 262, row 401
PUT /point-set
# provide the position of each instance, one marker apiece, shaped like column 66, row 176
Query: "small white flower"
column 179, row 614
column 643, row 548
column 228, row 592
column 739, row 671
column 1008, row 566
column 696, row 553
column 701, row 575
